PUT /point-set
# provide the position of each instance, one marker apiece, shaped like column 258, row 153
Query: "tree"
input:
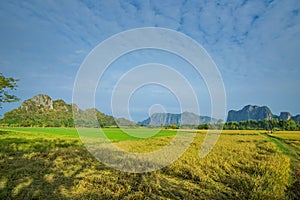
column 220, row 124
column 5, row 85
column 231, row 126
column 203, row 126
column 274, row 123
column 174, row 126
column 267, row 124
column 292, row 126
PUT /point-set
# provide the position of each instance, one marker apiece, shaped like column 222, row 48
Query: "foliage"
column 7, row 84
column 58, row 114
column 30, row 115
column 271, row 125
column 173, row 126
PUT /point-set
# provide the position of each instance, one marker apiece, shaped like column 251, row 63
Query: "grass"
column 289, row 144
column 114, row 134
column 53, row 164
column 292, row 138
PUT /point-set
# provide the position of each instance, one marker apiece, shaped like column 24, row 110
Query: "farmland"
column 52, row 163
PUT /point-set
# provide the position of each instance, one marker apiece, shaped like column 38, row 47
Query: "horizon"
column 254, row 45
column 151, row 114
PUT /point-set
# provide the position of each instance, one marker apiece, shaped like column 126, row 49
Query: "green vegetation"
column 5, row 85
column 289, row 143
column 114, row 134
column 42, row 111
column 272, row 125
column 172, row 126
column 51, row 163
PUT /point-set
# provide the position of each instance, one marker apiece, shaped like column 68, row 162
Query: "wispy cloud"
column 253, row 42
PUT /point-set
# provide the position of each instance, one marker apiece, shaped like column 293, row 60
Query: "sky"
column 254, row 44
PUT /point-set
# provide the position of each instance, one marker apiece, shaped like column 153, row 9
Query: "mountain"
column 41, row 110
column 284, row 116
column 185, row 118
column 287, row 116
column 257, row 113
column 250, row 112
column 296, row 118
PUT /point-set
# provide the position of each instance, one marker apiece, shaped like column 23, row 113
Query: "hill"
column 257, row 113
column 42, row 111
column 250, row 112
column 185, row 118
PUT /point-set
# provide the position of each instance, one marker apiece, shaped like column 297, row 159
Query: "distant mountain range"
column 41, row 110
column 185, row 118
column 250, row 112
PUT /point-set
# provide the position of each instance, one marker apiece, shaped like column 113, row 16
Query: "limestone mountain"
column 41, row 110
column 250, row 112
column 257, row 113
column 185, row 118
column 287, row 116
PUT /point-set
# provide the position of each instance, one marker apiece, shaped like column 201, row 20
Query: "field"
column 52, row 163
column 113, row 134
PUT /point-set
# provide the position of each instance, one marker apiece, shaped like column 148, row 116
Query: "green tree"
column 267, row 124
column 220, row 124
column 231, row 126
column 291, row 125
column 5, row 85
column 203, row 126
column 283, row 125
column 260, row 124
column 174, row 126
column 274, row 123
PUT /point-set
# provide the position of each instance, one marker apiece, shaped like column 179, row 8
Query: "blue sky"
column 255, row 45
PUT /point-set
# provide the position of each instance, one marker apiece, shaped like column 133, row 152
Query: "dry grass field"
column 243, row 165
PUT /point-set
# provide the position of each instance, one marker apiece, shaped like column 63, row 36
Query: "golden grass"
column 290, row 137
column 243, row 165
column 289, row 141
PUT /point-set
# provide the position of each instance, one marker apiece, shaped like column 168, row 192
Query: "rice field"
column 52, row 163
column 290, row 137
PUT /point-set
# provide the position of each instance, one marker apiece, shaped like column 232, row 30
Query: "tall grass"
column 289, row 141
column 243, row 165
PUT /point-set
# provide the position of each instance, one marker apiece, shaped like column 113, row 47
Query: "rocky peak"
column 43, row 101
column 285, row 116
column 250, row 112
column 250, row 108
column 296, row 118
column 40, row 101
column 61, row 105
column 185, row 118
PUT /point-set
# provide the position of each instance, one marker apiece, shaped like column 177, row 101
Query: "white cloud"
column 251, row 41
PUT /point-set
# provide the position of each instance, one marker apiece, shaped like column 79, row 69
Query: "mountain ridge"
column 41, row 110
column 254, row 112
column 185, row 118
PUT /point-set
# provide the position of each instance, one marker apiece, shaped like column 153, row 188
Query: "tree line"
column 270, row 125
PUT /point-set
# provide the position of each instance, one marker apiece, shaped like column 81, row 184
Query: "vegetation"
column 172, row 126
column 29, row 115
column 289, row 143
column 289, row 137
column 51, row 163
column 114, row 134
column 5, row 85
column 42, row 111
column 272, row 125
